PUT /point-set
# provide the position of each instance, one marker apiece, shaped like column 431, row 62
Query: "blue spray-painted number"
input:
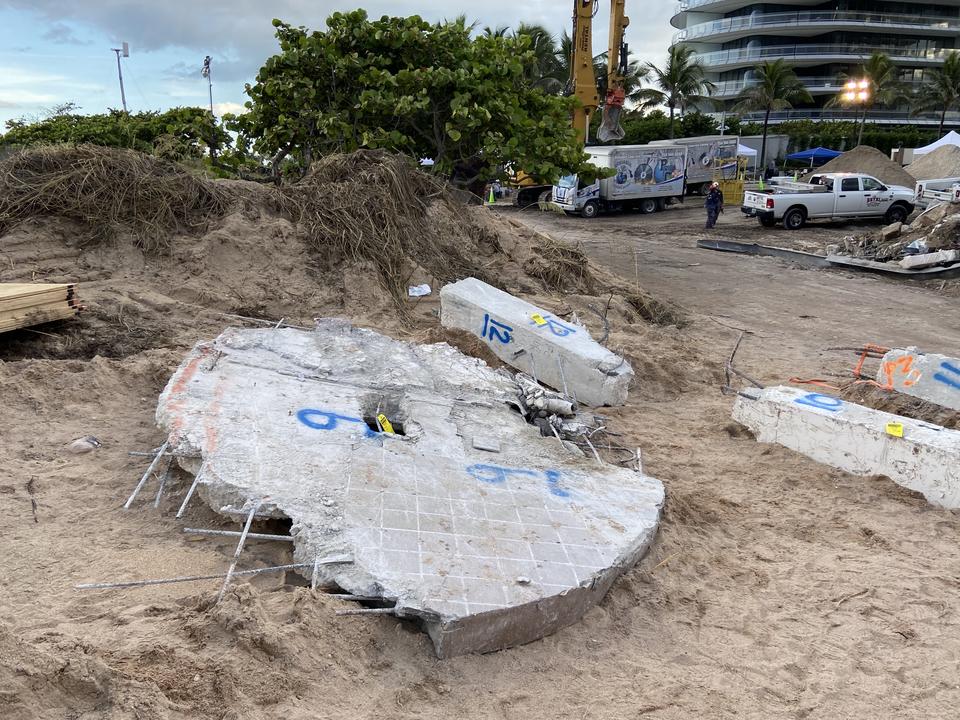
column 556, row 327
column 330, row 420
column 952, row 380
column 496, row 330
column 498, row 475
column 823, row 402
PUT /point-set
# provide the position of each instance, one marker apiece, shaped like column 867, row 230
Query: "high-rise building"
column 821, row 40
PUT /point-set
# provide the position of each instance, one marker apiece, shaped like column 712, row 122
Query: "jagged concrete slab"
column 469, row 521
column 930, row 377
column 531, row 339
column 857, row 439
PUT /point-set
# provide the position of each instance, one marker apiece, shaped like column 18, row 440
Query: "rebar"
column 236, row 554
column 193, row 487
column 368, row 611
column 185, row 578
column 237, row 533
column 143, row 480
column 163, row 482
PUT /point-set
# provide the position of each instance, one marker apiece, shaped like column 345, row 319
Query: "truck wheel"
column 767, row 221
column 590, row 210
column 794, row 219
column 648, row 206
column 896, row 214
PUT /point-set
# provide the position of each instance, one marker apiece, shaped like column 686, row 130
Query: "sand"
column 944, row 162
column 869, row 160
column 776, row 588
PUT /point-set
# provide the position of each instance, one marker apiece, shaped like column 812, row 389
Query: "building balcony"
column 874, row 116
column 725, row 6
column 815, row 23
column 730, row 89
column 813, row 54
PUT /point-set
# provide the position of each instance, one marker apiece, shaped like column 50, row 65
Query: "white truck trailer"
column 646, row 177
column 707, row 156
column 829, row 196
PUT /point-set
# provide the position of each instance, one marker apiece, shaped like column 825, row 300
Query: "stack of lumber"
column 26, row 304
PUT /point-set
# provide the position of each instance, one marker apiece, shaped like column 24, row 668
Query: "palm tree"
column 941, row 88
column 498, row 32
column 680, row 83
column 546, row 68
column 777, row 88
column 884, row 86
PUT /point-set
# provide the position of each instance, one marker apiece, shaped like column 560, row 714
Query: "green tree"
column 680, row 83
column 177, row 134
column 940, row 91
column 545, row 69
column 777, row 88
column 406, row 85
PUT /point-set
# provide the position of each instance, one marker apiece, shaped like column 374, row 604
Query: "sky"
column 58, row 51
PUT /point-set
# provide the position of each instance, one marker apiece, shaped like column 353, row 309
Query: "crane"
column 583, row 85
column 583, row 80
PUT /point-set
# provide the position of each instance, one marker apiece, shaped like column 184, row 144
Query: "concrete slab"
column 857, row 439
column 930, row 377
column 557, row 353
column 469, row 521
column 925, row 260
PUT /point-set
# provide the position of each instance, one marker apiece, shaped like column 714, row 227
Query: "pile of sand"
column 869, row 160
column 315, row 252
column 944, row 162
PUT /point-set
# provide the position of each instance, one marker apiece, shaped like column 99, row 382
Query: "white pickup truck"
column 831, row 196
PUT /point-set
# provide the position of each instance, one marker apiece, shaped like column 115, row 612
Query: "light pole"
column 858, row 91
column 123, row 50
column 205, row 72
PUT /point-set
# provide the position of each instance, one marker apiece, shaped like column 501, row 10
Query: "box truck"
column 709, row 158
column 646, row 177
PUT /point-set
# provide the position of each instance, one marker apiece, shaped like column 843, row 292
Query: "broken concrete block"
column 891, row 231
column 464, row 517
column 531, row 339
column 915, row 262
column 857, row 439
column 934, row 378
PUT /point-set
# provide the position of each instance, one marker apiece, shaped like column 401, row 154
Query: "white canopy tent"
column 748, row 151
column 951, row 138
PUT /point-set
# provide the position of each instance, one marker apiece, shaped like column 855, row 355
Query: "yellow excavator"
column 583, row 85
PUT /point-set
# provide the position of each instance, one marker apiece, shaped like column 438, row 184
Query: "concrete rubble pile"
column 931, row 239
column 414, row 471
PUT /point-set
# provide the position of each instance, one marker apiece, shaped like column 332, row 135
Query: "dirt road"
column 778, row 588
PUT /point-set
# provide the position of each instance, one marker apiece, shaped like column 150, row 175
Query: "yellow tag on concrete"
column 384, row 423
column 895, row 429
column 538, row 319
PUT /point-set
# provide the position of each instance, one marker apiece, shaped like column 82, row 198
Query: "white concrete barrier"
column 531, row 339
column 934, row 378
column 857, row 439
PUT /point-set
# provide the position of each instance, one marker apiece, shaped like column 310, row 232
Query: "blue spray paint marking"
column 953, row 382
column 495, row 330
column 331, row 419
column 497, row 475
column 556, row 327
column 823, row 402
column 553, row 480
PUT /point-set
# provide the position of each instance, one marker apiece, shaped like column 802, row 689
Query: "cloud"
column 240, row 35
column 63, row 34
column 228, row 107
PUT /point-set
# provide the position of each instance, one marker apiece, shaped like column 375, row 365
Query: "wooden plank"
column 8, row 290
column 58, row 305
column 25, row 302
column 36, row 319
